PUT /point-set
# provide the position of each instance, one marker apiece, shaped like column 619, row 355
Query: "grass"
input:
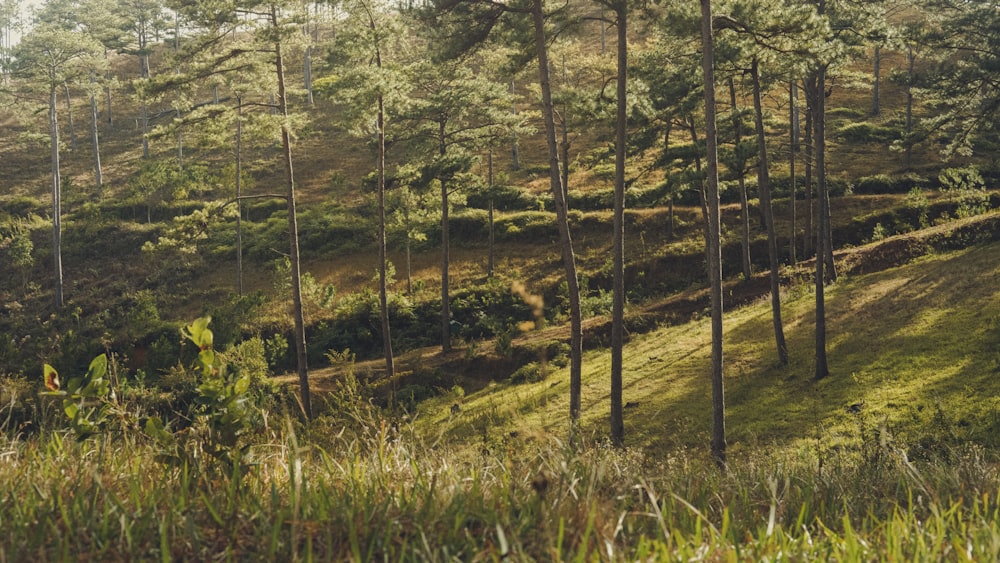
column 360, row 490
column 911, row 476
column 914, row 347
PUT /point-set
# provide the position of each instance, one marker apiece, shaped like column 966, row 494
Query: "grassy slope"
column 914, row 345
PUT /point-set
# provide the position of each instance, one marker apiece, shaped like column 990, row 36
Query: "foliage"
column 221, row 410
column 967, row 188
column 85, row 398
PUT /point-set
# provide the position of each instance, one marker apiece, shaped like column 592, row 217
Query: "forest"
column 499, row 280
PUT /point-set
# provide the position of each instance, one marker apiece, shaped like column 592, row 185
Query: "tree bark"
column 819, row 115
column 69, row 119
column 741, row 178
column 239, row 193
column 445, row 256
column 383, row 292
column 618, row 252
column 714, row 246
column 810, row 239
column 293, row 230
column 56, row 198
column 764, row 185
column 793, row 147
column 562, row 216
column 876, row 79
column 95, row 143
column 489, row 183
column 514, row 148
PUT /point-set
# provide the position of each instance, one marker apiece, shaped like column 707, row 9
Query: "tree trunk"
column 764, row 185
column 876, row 79
column 741, row 178
column 810, row 239
column 910, row 59
column 670, row 197
column 714, row 242
column 383, row 292
column 144, row 72
column 95, row 142
column 492, row 243
column 618, row 252
column 514, row 149
column 56, row 198
column 293, row 230
column 562, row 217
column 445, row 256
column 239, row 193
column 565, row 138
column 69, row 119
column 819, row 115
column 793, row 147
column 180, row 145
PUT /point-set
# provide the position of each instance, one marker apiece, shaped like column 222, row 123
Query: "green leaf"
column 98, row 368
column 241, row 385
column 198, row 332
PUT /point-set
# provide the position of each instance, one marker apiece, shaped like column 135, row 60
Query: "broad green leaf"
column 51, row 377
column 98, row 367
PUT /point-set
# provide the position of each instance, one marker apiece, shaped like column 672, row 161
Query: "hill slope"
column 913, row 352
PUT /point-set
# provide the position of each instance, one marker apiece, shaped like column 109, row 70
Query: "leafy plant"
column 220, row 409
column 85, row 398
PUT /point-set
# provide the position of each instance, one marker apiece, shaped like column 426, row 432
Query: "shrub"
column 865, row 132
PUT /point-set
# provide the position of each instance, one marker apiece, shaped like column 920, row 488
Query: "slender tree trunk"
column 562, row 217
column 764, row 184
column 445, row 257
column 565, row 138
column 702, row 199
column 876, row 79
column 741, row 178
column 95, row 142
column 293, row 230
column 670, row 198
column 239, row 193
column 819, row 115
column 489, row 182
column 910, row 59
column 56, row 198
column 824, row 191
column 180, row 144
column 618, row 252
column 107, row 96
column 793, row 147
column 383, row 292
column 69, row 119
column 714, row 241
column 810, row 237
column 514, row 143
column 144, row 68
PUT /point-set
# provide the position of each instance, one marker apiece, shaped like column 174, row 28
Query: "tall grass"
column 355, row 486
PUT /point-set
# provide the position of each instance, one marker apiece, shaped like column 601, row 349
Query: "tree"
column 714, row 241
column 769, row 30
column 94, row 19
column 141, row 19
column 468, row 24
column 562, row 214
column 267, row 31
column 48, row 58
column 962, row 88
column 620, row 9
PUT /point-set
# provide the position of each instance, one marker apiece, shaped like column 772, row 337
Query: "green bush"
column 866, row 133
column 528, row 373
